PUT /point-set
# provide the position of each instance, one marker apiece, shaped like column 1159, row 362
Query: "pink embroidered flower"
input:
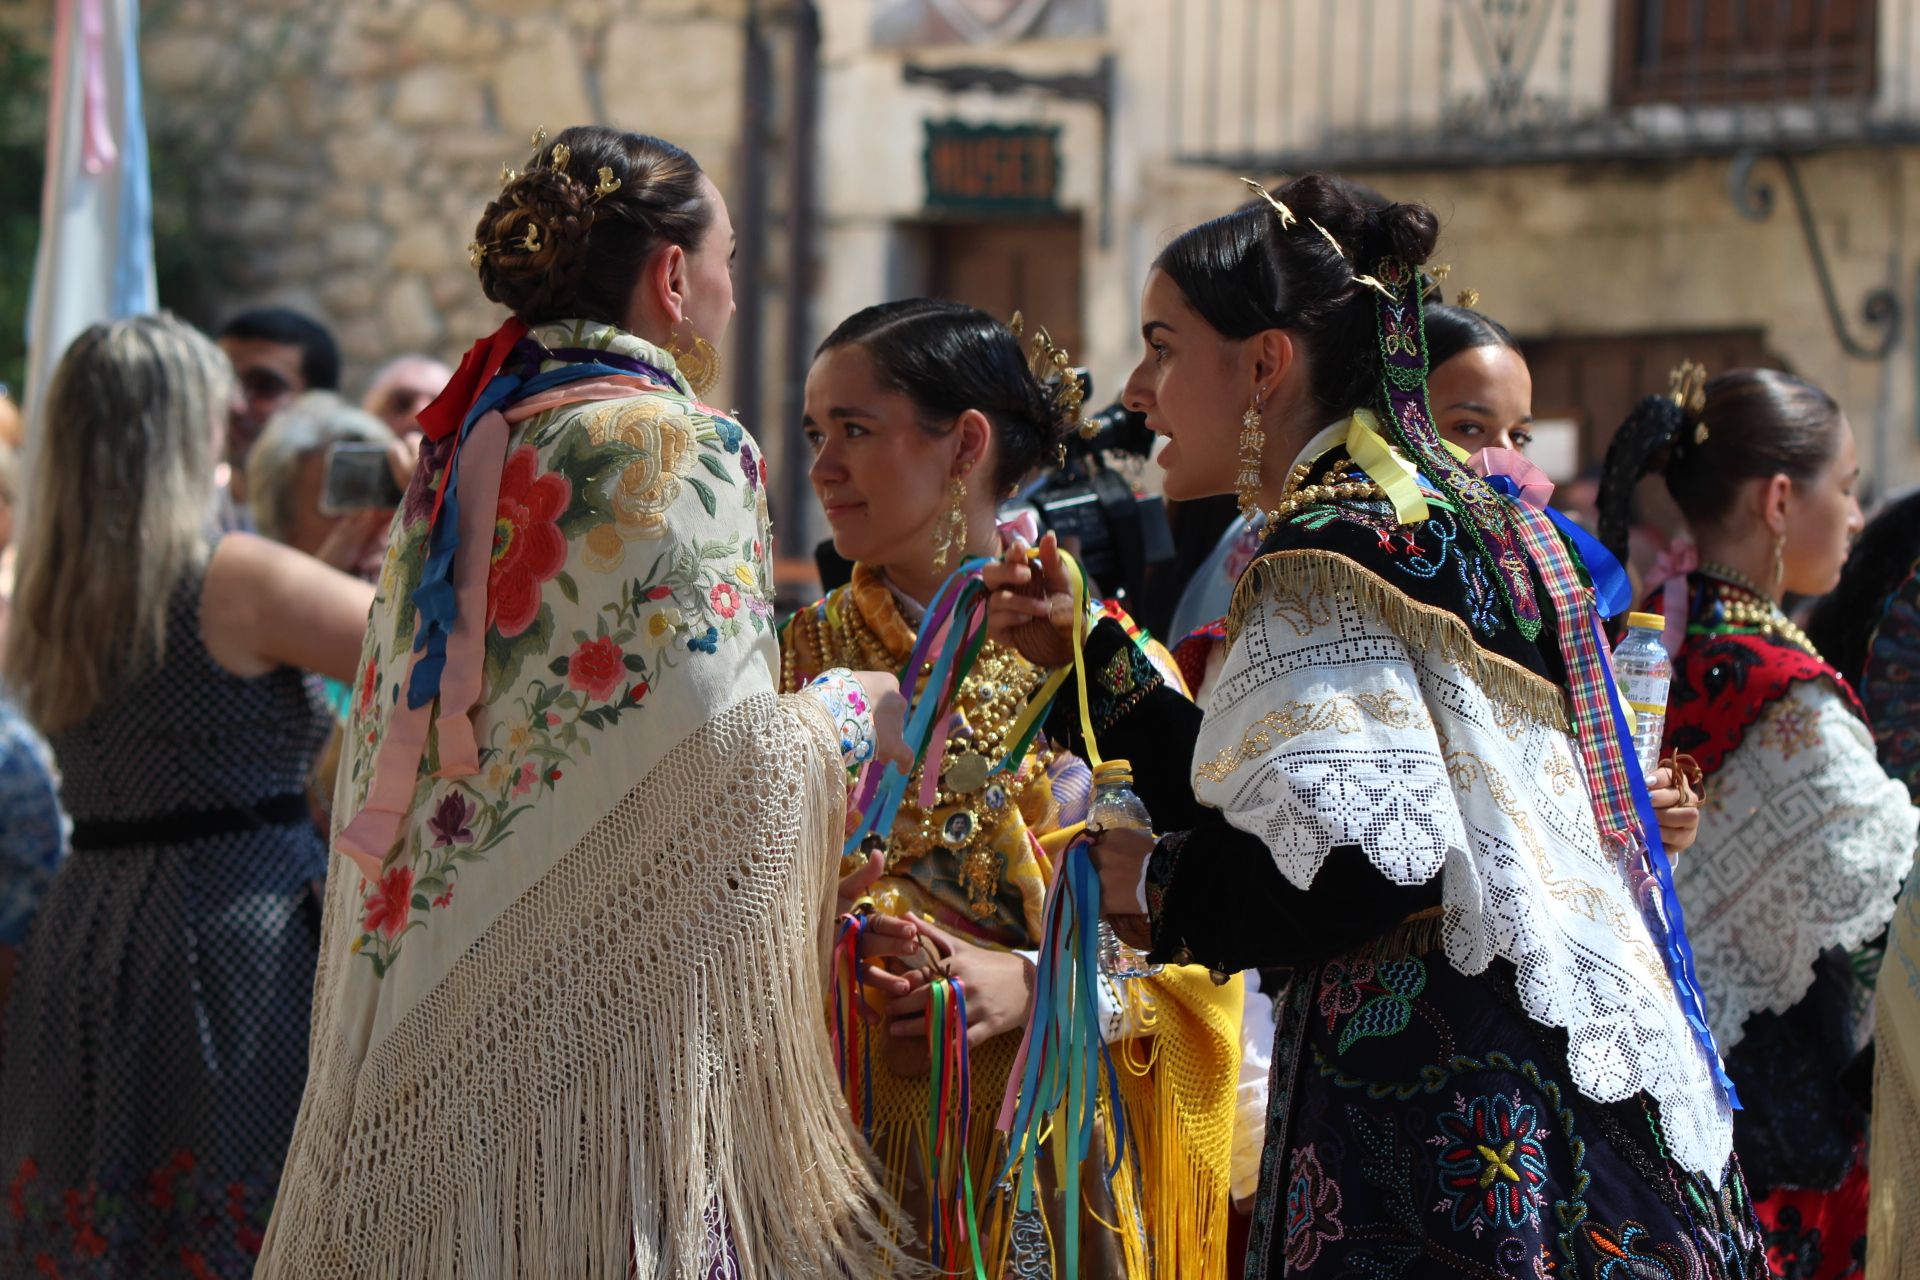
column 528, row 547
column 527, row 777
column 725, row 598
column 387, row 905
column 1313, row 1210
column 596, row 668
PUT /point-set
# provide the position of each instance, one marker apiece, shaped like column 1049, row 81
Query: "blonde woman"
column 158, row 1033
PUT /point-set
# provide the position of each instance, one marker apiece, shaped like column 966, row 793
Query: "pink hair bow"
column 1669, row 577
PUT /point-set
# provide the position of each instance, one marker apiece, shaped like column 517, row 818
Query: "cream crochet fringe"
column 635, row 1046
column 1893, row 1227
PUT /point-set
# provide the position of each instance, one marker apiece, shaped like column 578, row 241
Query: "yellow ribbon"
column 1395, row 475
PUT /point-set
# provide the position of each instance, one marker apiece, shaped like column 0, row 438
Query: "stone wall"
column 341, row 150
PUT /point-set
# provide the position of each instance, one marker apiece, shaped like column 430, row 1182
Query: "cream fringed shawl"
column 571, row 1026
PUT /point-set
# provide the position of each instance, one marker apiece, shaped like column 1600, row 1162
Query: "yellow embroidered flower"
column 744, row 572
column 497, row 775
column 519, row 736
column 664, row 622
column 649, row 485
column 357, row 944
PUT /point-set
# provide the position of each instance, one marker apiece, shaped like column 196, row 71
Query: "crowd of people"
column 461, row 884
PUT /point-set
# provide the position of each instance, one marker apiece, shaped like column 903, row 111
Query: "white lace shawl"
column 1804, row 841
column 1349, row 715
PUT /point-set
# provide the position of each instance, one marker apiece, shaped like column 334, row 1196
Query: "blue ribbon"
column 1613, row 591
column 880, row 812
column 435, row 597
column 1680, row 968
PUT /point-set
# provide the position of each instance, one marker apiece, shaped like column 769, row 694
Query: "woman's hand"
column 885, row 937
column 889, row 712
column 1677, row 807
column 998, row 986
column 1031, row 613
column 1120, row 856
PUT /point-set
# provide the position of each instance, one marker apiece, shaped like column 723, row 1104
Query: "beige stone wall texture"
column 344, row 149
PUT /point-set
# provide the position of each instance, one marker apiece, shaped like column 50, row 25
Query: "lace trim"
column 1298, row 587
column 1804, row 842
column 1477, row 791
column 632, row 1042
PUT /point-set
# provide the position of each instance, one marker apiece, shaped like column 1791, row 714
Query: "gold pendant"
column 967, row 773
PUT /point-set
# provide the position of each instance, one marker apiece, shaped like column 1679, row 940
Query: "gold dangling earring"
column 1253, row 442
column 950, row 535
column 1779, row 561
column 699, row 362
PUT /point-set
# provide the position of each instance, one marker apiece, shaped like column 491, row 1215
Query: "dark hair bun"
column 554, row 246
column 542, row 207
column 1368, row 226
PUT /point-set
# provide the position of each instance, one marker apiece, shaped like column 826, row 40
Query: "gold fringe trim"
column 1419, row 934
column 1299, row 587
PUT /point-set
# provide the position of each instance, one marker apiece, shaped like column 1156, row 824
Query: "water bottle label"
column 1647, row 708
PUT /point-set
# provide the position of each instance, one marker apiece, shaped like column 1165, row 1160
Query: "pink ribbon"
column 1025, row 527
column 98, row 151
column 1535, row 489
column 369, row 838
column 1669, row 577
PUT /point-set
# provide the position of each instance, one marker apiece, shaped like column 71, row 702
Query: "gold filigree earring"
column 1779, row 561
column 1253, row 443
column 950, row 534
column 699, row 363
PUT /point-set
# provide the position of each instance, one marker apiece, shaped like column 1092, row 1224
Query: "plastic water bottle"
column 1116, row 807
column 1645, row 673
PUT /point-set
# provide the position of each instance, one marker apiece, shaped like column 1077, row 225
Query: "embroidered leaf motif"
column 568, row 587
column 718, row 469
column 1380, row 1016
column 707, row 499
column 1404, row 978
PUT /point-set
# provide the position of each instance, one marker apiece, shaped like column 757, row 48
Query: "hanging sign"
column 1003, row 170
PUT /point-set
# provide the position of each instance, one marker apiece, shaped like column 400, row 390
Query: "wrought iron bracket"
column 1095, row 87
column 1754, row 199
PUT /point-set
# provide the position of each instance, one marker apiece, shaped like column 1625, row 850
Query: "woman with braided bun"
column 1407, row 790
column 568, row 1015
column 1804, row 839
column 923, row 416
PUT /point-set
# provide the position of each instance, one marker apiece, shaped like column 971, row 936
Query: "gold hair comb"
column 1468, row 298
column 1687, row 388
column 1048, row 361
column 1286, row 215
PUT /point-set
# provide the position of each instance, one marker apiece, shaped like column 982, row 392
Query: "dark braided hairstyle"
column 1755, row 423
column 948, row 358
column 591, row 247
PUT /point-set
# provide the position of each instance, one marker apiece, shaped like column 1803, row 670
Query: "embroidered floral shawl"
column 567, row 1020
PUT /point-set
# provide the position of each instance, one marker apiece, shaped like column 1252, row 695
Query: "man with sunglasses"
column 277, row 354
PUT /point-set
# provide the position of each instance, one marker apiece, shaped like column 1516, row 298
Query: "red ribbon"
column 477, row 368
column 450, row 408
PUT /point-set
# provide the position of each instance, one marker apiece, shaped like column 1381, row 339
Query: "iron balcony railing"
column 1278, row 85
